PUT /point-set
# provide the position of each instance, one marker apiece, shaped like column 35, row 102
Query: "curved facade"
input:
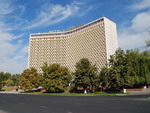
column 96, row 41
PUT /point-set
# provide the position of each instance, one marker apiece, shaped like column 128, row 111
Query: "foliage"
column 55, row 78
column 15, row 78
column 105, row 78
column 76, row 94
column 30, row 79
column 144, row 68
column 126, row 69
column 8, row 81
column 86, row 75
column 4, row 79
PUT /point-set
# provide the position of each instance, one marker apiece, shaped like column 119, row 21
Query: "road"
column 18, row 103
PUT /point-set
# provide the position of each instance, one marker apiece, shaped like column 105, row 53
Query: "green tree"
column 16, row 79
column 121, row 72
column 4, row 79
column 8, row 81
column 144, row 68
column 55, row 78
column 126, row 69
column 30, row 79
column 86, row 75
column 105, row 78
column 116, row 63
column 129, row 69
column 141, row 65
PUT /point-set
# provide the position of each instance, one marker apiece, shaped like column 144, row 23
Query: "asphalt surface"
column 18, row 103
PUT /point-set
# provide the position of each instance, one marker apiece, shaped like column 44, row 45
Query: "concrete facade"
column 96, row 41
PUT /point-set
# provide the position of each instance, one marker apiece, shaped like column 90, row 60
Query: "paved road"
column 18, row 103
column 11, row 92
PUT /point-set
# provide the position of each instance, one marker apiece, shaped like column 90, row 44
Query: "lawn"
column 76, row 94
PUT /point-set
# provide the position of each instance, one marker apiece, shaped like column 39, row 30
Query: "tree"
column 8, row 81
column 85, row 75
column 15, row 78
column 4, row 79
column 94, row 79
column 30, row 79
column 141, row 66
column 126, row 69
column 121, row 72
column 144, row 66
column 55, row 78
column 105, row 78
column 116, row 63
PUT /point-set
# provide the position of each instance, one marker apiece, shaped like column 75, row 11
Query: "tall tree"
column 15, row 78
column 117, row 62
column 105, row 78
column 30, row 79
column 4, row 79
column 85, row 75
column 141, row 66
column 55, row 78
column 120, row 72
column 144, row 66
column 8, row 81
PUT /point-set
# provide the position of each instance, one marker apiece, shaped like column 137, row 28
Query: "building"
column 96, row 41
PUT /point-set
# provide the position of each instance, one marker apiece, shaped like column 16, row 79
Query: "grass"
column 76, row 94
column 4, row 89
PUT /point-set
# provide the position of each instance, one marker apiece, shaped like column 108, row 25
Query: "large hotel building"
column 96, row 41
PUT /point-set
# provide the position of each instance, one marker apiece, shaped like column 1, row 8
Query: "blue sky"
column 19, row 18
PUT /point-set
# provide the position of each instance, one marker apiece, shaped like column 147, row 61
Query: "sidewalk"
column 11, row 92
column 146, row 92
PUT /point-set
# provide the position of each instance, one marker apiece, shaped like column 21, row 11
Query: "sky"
column 19, row 18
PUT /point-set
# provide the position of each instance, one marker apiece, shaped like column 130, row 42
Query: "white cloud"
column 13, row 65
column 22, row 9
column 143, row 4
column 6, row 36
column 11, row 46
column 10, row 52
column 25, row 49
column 135, row 35
column 5, row 7
column 9, row 57
column 13, row 57
column 129, row 40
column 141, row 22
column 53, row 13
